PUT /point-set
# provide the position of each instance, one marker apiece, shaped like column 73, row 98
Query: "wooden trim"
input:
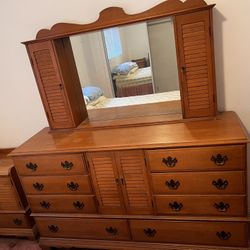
column 5, row 151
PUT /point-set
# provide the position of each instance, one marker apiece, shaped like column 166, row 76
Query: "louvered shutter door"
column 196, row 58
column 50, row 84
column 135, row 185
column 106, row 182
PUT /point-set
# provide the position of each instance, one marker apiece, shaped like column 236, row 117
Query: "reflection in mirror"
column 128, row 65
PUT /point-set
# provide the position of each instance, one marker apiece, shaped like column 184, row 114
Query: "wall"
column 21, row 111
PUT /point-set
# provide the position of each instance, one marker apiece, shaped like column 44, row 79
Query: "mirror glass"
column 128, row 65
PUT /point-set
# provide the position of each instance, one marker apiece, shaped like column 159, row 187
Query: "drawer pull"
column 111, row 230
column 78, row 205
column 150, row 232
column 67, row 165
column 219, row 160
column 31, row 166
column 72, row 186
column 38, row 186
column 169, row 161
column 220, row 184
column 53, row 228
column 17, row 222
column 175, row 206
column 222, row 207
column 172, row 184
column 223, row 235
column 45, row 204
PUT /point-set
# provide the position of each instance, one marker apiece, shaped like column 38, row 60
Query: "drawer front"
column 50, row 164
column 223, row 205
column 62, row 203
column 207, row 158
column 110, row 229
column 14, row 221
column 57, row 185
column 228, row 182
column 188, row 232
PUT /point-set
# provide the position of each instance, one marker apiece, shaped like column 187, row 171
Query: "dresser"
column 167, row 186
column 15, row 217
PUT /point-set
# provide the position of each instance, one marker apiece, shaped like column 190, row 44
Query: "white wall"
column 21, row 111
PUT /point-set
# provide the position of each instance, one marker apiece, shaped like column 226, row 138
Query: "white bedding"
column 104, row 102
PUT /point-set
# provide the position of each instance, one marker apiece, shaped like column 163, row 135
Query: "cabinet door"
column 196, row 61
column 134, row 182
column 106, row 182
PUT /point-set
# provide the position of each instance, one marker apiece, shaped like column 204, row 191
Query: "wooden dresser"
column 14, row 213
column 167, row 186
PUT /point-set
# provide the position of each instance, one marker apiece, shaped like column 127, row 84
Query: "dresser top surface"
column 226, row 128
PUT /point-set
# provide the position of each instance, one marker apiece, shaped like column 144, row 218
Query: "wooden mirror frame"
column 55, row 71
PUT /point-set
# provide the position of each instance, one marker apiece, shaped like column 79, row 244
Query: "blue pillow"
column 92, row 92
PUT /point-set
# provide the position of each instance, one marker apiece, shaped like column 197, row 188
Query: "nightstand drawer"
column 15, row 221
column 74, row 184
column 193, row 159
column 110, row 229
column 62, row 203
column 50, row 164
column 228, row 182
column 190, row 232
column 221, row 205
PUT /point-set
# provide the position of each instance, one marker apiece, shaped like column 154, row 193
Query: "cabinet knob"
column 38, row 186
column 17, row 222
column 73, row 186
column 220, row 184
column 45, row 204
column 219, row 160
column 78, row 205
column 67, row 165
column 150, row 232
column 169, row 161
column 31, row 166
column 175, row 206
column 172, row 184
column 221, row 206
column 111, row 230
column 223, row 235
column 53, row 228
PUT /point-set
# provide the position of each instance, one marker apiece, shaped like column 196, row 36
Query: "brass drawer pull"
column 150, row 232
column 45, row 204
column 31, row 166
column 17, row 222
column 222, row 207
column 72, row 186
column 220, row 184
column 169, row 161
column 111, row 230
column 223, row 235
column 78, row 205
column 172, row 184
column 38, row 186
column 219, row 160
column 53, row 228
column 67, row 165
column 175, row 206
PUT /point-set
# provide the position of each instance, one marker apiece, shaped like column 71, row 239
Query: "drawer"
column 50, row 164
column 110, row 229
column 62, row 203
column 74, row 184
column 190, row 232
column 222, row 205
column 194, row 159
column 15, row 221
column 227, row 182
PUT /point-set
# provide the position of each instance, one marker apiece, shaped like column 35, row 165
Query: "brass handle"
column 223, row 235
column 150, row 232
column 172, row 184
column 67, row 165
column 220, row 184
column 72, row 186
column 78, row 205
column 111, row 230
column 219, row 160
column 175, row 206
column 53, row 228
column 17, row 222
column 45, row 204
column 222, row 207
column 31, row 166
column 38, row 186
column 169, row 161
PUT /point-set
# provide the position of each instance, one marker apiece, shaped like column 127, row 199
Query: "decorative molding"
column 117, row 16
